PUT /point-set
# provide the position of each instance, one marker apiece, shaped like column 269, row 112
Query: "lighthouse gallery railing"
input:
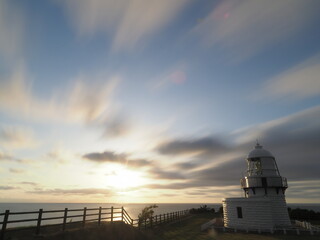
column 247, row 182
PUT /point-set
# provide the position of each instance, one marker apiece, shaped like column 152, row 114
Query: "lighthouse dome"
column 259, row 152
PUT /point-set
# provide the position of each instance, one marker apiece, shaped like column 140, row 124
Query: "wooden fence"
column 41, row 218
column 160, row 219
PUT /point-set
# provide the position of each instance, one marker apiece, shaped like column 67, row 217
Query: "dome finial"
column 258, row 144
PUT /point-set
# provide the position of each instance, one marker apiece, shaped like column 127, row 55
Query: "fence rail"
column 83, row 215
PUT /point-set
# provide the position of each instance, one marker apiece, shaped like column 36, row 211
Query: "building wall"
column 279, row 210
column 256, row 212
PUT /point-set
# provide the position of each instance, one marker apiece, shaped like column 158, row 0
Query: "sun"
column 122, row 179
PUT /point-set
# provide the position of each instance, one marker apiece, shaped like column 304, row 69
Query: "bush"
column 146, row 213
column 303, row 214
column 202, row 209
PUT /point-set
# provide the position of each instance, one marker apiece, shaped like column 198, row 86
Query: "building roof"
column 259, row 151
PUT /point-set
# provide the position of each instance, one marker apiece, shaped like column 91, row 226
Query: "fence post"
column 112, row 214
column 65, row 219
column 4, row 224
column 151, row 222
column 99, row 220
column 122, row 214
column 160, row 218
column 39, row 221
column 145, row 223
column 84, row 216
column 131, row 222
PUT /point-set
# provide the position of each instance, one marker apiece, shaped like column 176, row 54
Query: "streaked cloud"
column 106, row 156
column 245, row 28
column 293, row 139
column 29, row 183
column 17, row 137
column 7, row 188
column 130, row 22
column 60, row 155
column 113, row 157
column 175, row 76
column 117, row 125
column 301, row 81
column 188, row 146
column 11, row 29
column 80, row 191
column 8, row 157
column 85, row 101
column 158, row 173
column 16, row 170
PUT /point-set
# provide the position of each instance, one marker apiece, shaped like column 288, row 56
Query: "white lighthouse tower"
column 264, row 205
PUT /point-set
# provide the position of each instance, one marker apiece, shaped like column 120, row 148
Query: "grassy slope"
column 190, row 230
column 115, row 231
column 118, row 230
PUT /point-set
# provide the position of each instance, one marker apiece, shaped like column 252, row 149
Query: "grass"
column 190, row 230
column 112, row 231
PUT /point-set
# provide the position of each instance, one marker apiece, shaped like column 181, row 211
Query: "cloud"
column 82, row 102
column 301, row 81
column 298, row 190
column 11, row 29
column 29, row 183
column 113, row 157
column 187, row 146
column 7, row 157
column 176, row 76
column 129, row 22
column 61, row 155
column 106, row 156
column 116, row 126
column 17, row 137
column 158, row 173
column 16, row 170
column 137, row 163
column 247, row 27
column 7, row 188
column 186, row 166
column 80, row 191
column 294, row 140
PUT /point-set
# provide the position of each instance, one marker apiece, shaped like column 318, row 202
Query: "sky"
column 148, row 101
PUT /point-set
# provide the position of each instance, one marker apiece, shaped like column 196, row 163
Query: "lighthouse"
column 264, row 205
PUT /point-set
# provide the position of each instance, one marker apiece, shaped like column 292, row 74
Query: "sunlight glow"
column 122, row 179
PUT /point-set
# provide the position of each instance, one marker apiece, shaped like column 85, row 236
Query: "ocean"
column 133, row 209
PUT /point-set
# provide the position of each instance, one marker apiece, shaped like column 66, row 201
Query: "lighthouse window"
column 239, row 212
column 258, row 167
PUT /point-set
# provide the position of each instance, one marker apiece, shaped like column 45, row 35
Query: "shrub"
column 146, row 213
column 303, row 214
column 202, row 209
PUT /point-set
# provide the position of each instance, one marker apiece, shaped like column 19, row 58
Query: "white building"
column 264, row 205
